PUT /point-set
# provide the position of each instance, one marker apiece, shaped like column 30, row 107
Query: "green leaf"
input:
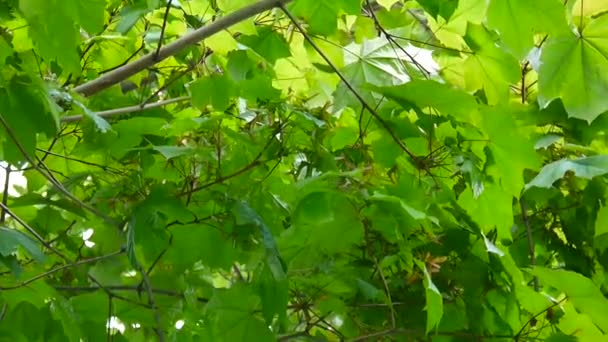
column 246, row 215
column 274, row 295
column 374, row 62
column 268, row 44
column 194, row 242
column 517, row 21
column 89, row 14
column 513, row 152
column 491, row 247
column 581, row 291
column 170, row 152
column 414, row 213
column 258, row 88
column 10, row 239
column 322, row 15
column 546, row 141
column 489, row 68
column 443, row 8
column 216, row 91
column 434, row 300
column 27, row 108
column 369, row 291
column 232, row 5
column 574, row 67
column 427, row 93
column 600, row 236
column 32, row 199
column 582, row 167
column 55, row 36
column 63, row 311
column 561, row 337
column 5, row 51
column 491, row 209
column 329, row 221
column 102, row 125
column 234, row 318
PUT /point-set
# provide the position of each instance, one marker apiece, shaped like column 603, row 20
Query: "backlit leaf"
column 583, row 167
column 574, row 67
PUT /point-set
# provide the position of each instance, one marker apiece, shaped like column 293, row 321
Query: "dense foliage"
column 307, row 170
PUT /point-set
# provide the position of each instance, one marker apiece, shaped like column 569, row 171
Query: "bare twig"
column 388, row 294
column 130, row 288
column 148, row 287
column 162, row 30
column 171, row 49
column 44, row 171
column 108, row 331
column 292, row 336
column 531, row 251
column 76, row 160
column 414, row 332
column 128, row 110
column 3, row 311
column 533, row 318
column 253, row 164
column 7, row 179
column 392, row 41
column 32, row 231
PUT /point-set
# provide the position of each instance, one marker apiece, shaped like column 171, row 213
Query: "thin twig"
column 391, row 40
column 32, row 231
column 131, row 288
column 110, row 311
column 253, row 164
column 3, row 311
column 350, row 87
column 531, row 251
column 388, row 294
column 103, row 167
column 59, row 268
column 470, row 336
column 292, row 336
column 62, row 256
column 162, row 30
column 44, row 171
column 148, row 287
column 533, row 318
column 7, row 178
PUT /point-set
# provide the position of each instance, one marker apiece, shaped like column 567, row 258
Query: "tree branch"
column 59, row 268
column 350, row 87
column 128, row 70
column 7, row 179
column 134, row 288
column 152, row 303
column 128, row 110
column 46, row 173
column 531, row 251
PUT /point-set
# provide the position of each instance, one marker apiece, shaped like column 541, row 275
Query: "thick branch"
column 171, row 49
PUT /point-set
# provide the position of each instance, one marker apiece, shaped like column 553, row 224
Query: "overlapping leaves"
column 278, row 204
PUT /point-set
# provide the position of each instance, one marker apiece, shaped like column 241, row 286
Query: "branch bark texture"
column 128, row 70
